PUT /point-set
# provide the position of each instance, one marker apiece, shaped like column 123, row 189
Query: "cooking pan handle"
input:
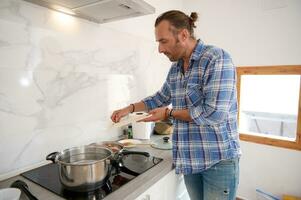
column 128, row 171
column 146, row 154
column 24, row 188
column 52, row 157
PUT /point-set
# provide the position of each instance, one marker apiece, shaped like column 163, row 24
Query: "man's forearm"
column 182, row 115
column 136, row 107
column 177, row 114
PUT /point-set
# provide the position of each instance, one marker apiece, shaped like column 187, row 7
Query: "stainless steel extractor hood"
column 99, row 11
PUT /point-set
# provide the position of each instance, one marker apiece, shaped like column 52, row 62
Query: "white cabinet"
column 170, row 187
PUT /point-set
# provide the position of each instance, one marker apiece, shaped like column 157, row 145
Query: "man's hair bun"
column 194, row 16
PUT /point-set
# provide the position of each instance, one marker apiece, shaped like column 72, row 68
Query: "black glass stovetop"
column 47, row 176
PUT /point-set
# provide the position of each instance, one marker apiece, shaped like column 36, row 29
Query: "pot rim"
column 114, row 143
column 83, row 164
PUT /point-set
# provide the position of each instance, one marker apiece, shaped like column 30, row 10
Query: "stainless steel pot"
column 82, row 168
column 118, row 149
column 118, row 154
column 115, row 147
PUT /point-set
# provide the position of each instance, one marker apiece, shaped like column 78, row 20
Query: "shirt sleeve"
column 210, row 102
column 160, row 98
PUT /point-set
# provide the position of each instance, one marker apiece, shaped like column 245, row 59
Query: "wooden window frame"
column 271, row 70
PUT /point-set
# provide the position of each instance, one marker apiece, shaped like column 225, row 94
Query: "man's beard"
column 173, row 59
column 170, row 56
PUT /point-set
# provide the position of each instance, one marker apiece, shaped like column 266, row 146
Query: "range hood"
column 99, row 11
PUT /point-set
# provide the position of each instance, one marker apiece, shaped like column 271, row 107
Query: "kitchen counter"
column 128, row 191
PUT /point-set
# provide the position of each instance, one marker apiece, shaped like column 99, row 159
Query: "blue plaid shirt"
column 208, row 90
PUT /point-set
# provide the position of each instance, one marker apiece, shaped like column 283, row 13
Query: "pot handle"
column 128, row 171
column 24, row 188
column 146, row 154
column 52, row 157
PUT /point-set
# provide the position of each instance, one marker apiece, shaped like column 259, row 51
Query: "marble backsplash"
column 60, row 79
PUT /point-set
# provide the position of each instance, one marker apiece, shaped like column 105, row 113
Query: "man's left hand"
column 156, row 115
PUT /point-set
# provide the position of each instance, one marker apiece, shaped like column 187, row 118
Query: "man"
column 201, row 87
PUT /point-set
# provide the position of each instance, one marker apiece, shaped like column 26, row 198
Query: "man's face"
column 169, row 43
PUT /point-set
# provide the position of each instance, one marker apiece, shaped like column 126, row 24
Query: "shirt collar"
column 196, row 54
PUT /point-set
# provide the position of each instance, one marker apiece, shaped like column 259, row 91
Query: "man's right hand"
column 118, row 114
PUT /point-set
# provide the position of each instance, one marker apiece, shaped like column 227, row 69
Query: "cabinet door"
column 174, row 187
column 170, row 187
column 155, row 192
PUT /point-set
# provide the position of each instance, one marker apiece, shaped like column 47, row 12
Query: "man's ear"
column 184, row 35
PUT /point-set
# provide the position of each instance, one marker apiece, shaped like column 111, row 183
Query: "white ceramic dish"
column 129, row 143
column 10, row 194
column 131, row 118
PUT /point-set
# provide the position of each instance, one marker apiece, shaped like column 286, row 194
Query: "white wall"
column 61, row 77
column 144, row 28
column 257, row 32
column 253, row 32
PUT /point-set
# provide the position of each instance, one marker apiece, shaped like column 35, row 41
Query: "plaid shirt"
column 208, row 90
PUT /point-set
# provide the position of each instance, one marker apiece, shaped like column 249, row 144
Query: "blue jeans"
column 219, row 182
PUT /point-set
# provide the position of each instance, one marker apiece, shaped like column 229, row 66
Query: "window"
column 270, row 105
